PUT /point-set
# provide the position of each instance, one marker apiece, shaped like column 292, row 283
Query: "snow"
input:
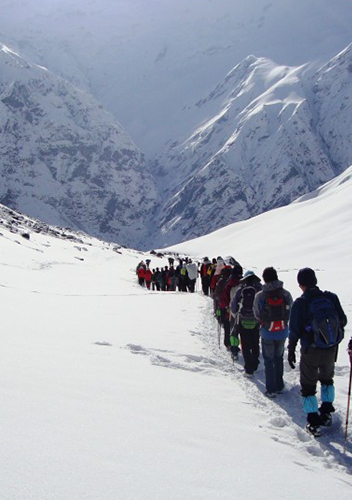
column 110, row 391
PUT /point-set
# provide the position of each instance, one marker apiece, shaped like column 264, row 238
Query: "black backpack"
column 276, row 311
column 245, row 310
column 324, row 322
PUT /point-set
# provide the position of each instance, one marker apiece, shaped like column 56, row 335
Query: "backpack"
column 220, row 285
column 324, row 323
column 245, row 312
column 276, row 311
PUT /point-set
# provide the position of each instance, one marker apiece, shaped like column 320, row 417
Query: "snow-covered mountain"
column 268, row 132
column 314, row 231
column 273, row 133
column 146, row 60
column 66, row 160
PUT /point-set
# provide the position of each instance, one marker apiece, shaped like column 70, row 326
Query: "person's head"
column 214, row 261
column 306, row 278
column 237, row 271
column 269, row 275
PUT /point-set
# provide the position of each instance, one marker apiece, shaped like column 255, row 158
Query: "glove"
column 292, row 359
column 218, row 313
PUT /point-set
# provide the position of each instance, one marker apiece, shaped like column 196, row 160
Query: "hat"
column 237, row 271
column 306, row 277
column 269, row 275
column 230, row 260
column 247, row 274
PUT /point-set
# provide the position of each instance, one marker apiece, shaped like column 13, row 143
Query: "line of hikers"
column 249, row 311
column 169, row 278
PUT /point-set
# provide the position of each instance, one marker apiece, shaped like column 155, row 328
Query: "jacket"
column 299, row 319
column 259, row 305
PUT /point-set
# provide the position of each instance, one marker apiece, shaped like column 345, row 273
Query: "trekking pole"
column 349, row 393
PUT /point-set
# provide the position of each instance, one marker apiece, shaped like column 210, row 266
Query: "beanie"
column 306, row 277
column 269, row 274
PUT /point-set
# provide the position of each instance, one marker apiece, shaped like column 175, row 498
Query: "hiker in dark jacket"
column 246, row 326
column 272, row 308
column 316, row 363
column 205, row 271
column 221, row 306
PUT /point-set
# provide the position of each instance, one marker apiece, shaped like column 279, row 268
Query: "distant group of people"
column 256, row 314
column 182, row 277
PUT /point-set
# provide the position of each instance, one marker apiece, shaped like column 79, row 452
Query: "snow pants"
column 250, row 348
column 273, row 354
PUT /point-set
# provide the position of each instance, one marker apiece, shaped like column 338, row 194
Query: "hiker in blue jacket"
column 272, row 309
column 318, row 355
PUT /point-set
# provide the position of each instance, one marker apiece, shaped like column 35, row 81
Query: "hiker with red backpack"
column 317, row 320
column 272, row 309
column 246, row 325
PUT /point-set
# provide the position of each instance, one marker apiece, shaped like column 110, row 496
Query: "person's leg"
column 255, row 348
column 246, row 345
column 308, row 367
column 326, row 378
column 268, row 351
column 226, row 324
column 279, row 364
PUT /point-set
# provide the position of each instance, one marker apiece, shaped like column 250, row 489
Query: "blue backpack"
column 324, row 323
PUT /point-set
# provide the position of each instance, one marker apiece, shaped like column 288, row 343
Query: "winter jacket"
column 259, row 305
column 148, row 275
column 141, row 272
column 299, row 318
column 204, row 269
column 225, row 297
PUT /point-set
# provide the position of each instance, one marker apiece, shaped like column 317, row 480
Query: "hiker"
column 272, row 309
column 164, row 278
column 154, row 284
column 205, row 271
column 317, row 320
column 171, row 278
column 141, row 273
column 192, row 271
column 148, row 277
column 158, row 279
column 221, row 306
column 246, row 325
column 183, row 278
column 218, row 266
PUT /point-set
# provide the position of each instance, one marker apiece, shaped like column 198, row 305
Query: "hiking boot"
column 325, row 419
column 248, row 375
column 313, row 430
column 270, row 395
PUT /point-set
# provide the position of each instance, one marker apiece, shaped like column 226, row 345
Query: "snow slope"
column 109, row 391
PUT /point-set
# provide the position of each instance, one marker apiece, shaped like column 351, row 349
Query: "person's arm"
column 257, row 306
